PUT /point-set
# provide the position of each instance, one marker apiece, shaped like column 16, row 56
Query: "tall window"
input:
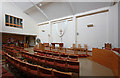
column 13, row 21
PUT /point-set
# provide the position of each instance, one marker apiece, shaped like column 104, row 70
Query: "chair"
column 3, row 54
column 17, row 64
column 23, row 67
column 4, row 70
column 74, row 46
column 64, row 56
column 11, row 60
column 31, row 70
column 79, row 46
column 60, row 64
column 26, row 55
column 116, row 49
column 73, row 66
column 44, row 72
column 7, row 75
column 50, row 62
column 72, row 56
column 35, row 59
column 58, row 74
column 108, row 46
column 41, row 60
column 85, row 46
column 55, row 55
column 46, row 44
column 49, row 54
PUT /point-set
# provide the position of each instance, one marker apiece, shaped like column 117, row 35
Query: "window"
column 13, row 21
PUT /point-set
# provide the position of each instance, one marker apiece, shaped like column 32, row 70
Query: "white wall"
column 95, row 36
column 113, row 25
column 105, row 29
column 43, row 36
column 29, row 25
column 0, row 16
column 55, row 36
column 119, row 25
column 68, row 37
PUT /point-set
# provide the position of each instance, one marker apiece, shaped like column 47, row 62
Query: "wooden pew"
column 38, row 71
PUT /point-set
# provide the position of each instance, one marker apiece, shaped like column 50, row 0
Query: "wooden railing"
column 107, row 58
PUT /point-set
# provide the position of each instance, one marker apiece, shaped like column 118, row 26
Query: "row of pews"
column 65, row 64
column 41, row 66
column 34, row 70
column 62, row 53
column 6, row 74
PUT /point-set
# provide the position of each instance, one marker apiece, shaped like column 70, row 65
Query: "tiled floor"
column 89, row 67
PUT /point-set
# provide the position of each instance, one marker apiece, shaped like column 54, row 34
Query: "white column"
column 50, row 23
column 75, row 25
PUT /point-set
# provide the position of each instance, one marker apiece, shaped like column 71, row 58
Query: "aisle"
column 91, row 68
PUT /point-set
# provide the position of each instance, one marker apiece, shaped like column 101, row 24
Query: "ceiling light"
column 40, row 5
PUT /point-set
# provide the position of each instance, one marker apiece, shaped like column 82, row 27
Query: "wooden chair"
column 44, row 72
column 56, row 55
column 108, row 46
column 73, row 56
column 41, row 60
column 60, row 64
column 46, row 44
column 50, row 62
column 4, row 70
column 31, row 70
column 30, row 57
column 79, row 46
column 58, row 74
column 73, row 66
column 35, row 59
column 63, row 55
column 73, row 47
column 85, row 46
column 17, row 64
column 7, row 75
column 23, row 67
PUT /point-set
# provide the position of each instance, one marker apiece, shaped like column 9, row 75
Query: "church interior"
column 59, row 39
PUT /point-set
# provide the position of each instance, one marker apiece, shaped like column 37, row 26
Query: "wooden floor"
column 88, row 67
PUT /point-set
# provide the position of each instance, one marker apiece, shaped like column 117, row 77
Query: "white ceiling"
column 53, row 10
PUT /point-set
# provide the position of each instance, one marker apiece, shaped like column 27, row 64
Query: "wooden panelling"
column 43, row 24
column 69, row 19
column 6, row 36
column 106, row 58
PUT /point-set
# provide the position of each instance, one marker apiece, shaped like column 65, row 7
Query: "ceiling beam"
column 41, row 11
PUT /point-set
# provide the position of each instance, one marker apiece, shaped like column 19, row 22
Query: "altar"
column 60, row 45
